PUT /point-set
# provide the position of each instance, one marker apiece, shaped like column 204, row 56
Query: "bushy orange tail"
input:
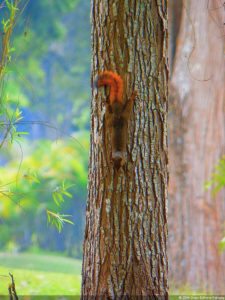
column 115, row 82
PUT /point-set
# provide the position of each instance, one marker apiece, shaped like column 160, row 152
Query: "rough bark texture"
column 197, row 142
column 126, row 222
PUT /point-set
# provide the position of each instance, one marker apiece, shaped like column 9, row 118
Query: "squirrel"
column 117, row 114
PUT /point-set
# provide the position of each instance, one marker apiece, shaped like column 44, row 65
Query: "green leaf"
column 58, row 220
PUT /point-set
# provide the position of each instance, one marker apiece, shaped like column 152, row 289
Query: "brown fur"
column 115, row 82
column 117, row 115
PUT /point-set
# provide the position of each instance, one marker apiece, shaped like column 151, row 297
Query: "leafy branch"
column 8, row 25
column 58, row 195
column 58, row 220
column 7, row 119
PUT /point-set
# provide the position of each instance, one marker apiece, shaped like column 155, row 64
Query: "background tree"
column 197, row 142
column 126, row 223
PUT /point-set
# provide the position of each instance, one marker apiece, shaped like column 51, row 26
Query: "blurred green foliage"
column 27, row 190
column 8, row 116
column 45, row 16
column 46, row 91
column 222, row 244
column 51, row 66
column 217, row 183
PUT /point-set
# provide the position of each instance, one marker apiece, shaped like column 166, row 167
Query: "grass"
column 40, row 274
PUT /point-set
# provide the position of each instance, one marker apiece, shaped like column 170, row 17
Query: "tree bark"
column 126, row 222
column 197, row 142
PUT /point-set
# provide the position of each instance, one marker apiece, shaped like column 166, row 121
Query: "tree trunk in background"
column 197, row 142
column 126, row 222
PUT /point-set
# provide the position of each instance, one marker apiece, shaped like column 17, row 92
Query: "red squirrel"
column 117, row 114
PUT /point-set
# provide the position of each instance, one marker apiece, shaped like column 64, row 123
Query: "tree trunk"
column 126, row 222
column 197, row 142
